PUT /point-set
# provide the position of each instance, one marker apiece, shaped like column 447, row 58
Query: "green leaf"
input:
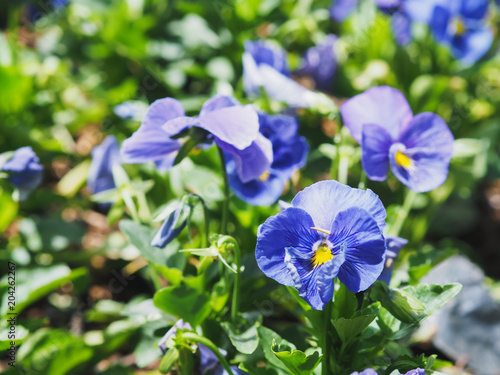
column 348, row 329
column 297, row 362
column 399, row 303
column 73, row 181
column 268, row 338
column 20, row 335
column 433, row 296
column 186, row 148
column 54, row 351
column 345, row 303
column 8, row 208
column 168, row 261
column 168, row 360
column 425, row 259
column 35, row 283
column 246, row 341
column 184, row 302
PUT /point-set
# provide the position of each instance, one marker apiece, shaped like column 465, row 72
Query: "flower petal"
column 475, row 9
column 325, row 199
column 315, row 284
column 148, row 143
column 257, row 192
column 375, row 152
column 284, row 89
column 429, row 145
column 473, row 45
column 290, row 228
column 364, row 244
column 253, row 161
column 393, row 245
column 236, row 125
column 171, row 227
column 341, row 9
column 24, row 170
column 161, row 111
column 320, row 63
column 401, row 28
column 104, row 157
column 383, row 106
column 217, row 102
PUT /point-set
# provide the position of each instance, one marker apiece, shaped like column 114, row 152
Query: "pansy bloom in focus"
column 331, row 230
column 393, row 245
column 223, row 120
column 265, row 66
column 462, row 25
column 104, row 157
column 289, row 154
column 418, row 148
column 24, row 170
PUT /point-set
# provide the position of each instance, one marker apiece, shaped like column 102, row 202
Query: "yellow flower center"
column 264, row 176
column 322, row 255
column 402, row 160
column 460, row 27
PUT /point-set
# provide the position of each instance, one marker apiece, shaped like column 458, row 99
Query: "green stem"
column 235, row 303
column 210, row 345
column 143, row 208
column 362, row 180
column 225, row 207
column 343, row 169
column 402, row 214
column 327, row 316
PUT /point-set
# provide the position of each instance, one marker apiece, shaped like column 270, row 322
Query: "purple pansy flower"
column 418, row 148
column 320, row 63
column 393, row 245
column 341, row 9
column 24, row 171
column 289, row 154
column 233, row 127
column 210, row 365
column 331, row 230
column 265, row 65
column 370, row 371
column 462, row 25
column 104, row 157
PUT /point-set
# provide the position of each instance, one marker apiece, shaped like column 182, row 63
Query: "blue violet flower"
column 331, row 230
column 418, row 148
column 24, row 171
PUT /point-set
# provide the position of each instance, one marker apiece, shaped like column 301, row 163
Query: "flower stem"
column 235, row 303
column 327, row 316
column 225, row 207
column 402, row 214
column 207, row 224
column 210, row 345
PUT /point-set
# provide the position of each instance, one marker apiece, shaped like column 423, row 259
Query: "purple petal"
column 268, row 53
column 417, row 371
column 320, row 63
column 430, row 132
column 394, row 245
column 290, row 228
column 218, row 102
column 341, row 9
column 401, row 28
column 324, row 200
column 427, row 144
column 368, row 371
column 161, row 111
column 315, row 284
column 364, row 244
column 383, row 106
column 24, row 170
column 148, row 143
column 257, row 192
column 253, row 161
column 473, row 45
column 474, row 9
column 375, row 152
column 284, row 89
column 237, row 125
column 171, row 333
column 104, row 157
